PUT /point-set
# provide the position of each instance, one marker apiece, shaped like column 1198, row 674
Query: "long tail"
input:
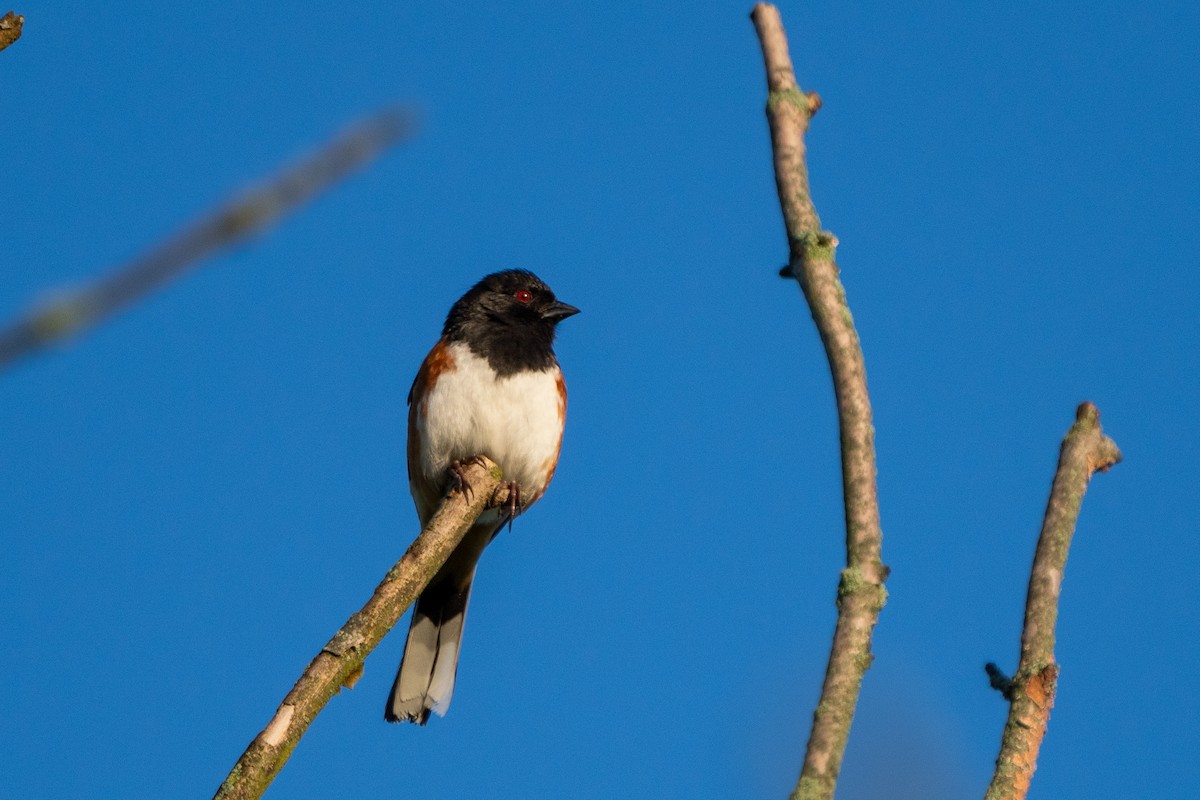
column 425, row 680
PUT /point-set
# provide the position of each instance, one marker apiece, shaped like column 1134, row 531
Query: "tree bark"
column 11, row 25
column 861, row 594
column 1085, row 451
column 340, row 662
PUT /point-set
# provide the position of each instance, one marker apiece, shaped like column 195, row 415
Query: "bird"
column 491, row 386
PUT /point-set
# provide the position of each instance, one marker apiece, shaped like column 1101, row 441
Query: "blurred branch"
column 861, row 594
column 1085, row 451
column 340, row 662
column 74, row 310
column 10, row 28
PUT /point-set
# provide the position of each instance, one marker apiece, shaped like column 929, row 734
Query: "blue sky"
column 200, row 492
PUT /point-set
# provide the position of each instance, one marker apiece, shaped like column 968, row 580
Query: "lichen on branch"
column 1030, row 692
column 811, row 250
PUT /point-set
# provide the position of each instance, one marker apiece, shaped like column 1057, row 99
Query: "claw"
column 458, row 476
column 512, row 505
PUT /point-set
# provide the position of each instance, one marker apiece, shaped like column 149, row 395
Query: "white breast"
column 516, row 421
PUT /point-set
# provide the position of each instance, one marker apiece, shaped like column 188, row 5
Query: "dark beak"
column 557, row 312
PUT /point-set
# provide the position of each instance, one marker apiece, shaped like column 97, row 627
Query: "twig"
column 11, row 25
column 1085, row 451
column 861, row 595
column 999, row 681
column 72, row 311
column 340, row 662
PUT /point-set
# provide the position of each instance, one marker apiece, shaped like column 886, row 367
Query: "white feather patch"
column 516, row 421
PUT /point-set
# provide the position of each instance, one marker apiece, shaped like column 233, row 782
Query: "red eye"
column 523, row 296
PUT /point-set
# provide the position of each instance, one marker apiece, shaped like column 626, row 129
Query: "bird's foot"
column 458, row 476
column 512, row 504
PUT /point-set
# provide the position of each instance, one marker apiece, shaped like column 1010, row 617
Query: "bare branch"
column 1085, row 451
column 340, row 662
column 74, row 310
column 11, row 25
column 861, row 594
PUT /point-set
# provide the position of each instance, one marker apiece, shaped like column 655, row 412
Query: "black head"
column 508, row 318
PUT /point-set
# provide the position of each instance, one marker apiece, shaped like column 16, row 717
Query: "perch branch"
column 1085, row 451
column 73, row 310
column 10, row 28
column 340, row 662
column 861, row 594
